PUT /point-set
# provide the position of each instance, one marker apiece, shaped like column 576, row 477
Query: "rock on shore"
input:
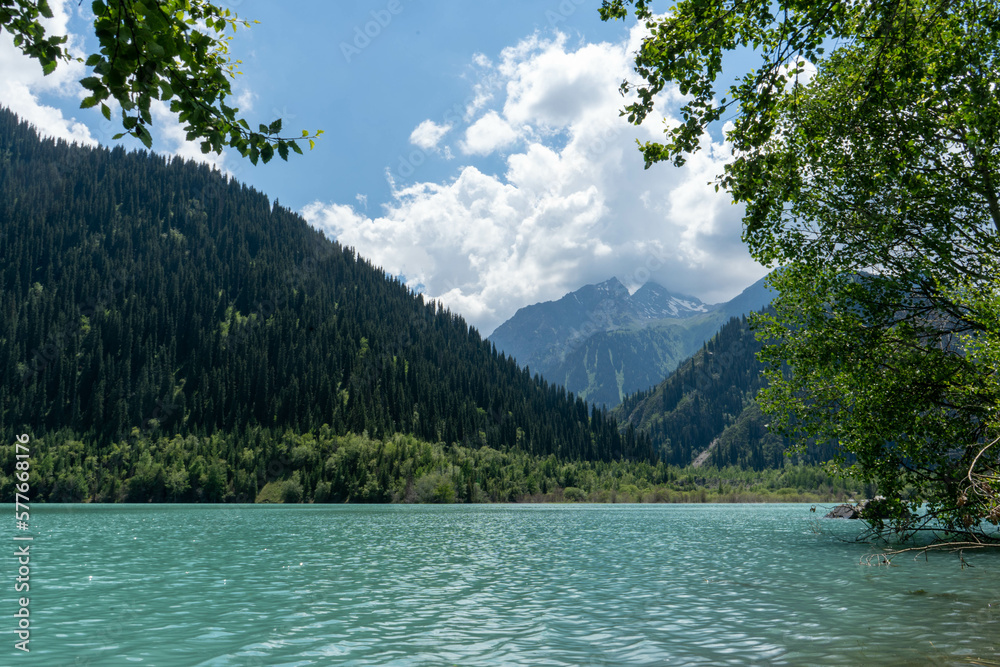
column 845, row 511
column 871, row 508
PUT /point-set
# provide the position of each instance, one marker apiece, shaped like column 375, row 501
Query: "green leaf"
column 146, row 51
column 157, row 21
column 144, row 136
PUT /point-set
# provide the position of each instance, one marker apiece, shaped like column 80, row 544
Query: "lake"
column 487, row 585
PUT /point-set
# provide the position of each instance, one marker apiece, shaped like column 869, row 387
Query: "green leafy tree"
column 873, row 182
column 170, row 50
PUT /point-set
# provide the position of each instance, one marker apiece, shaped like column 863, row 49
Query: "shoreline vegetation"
column 261, row 466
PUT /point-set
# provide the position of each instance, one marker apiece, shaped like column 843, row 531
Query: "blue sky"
column 473, row 148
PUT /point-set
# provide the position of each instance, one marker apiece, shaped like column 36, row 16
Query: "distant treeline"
column 266, row 466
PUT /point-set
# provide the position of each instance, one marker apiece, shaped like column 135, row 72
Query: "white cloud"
column 23, row 83
column 574, row 205
column 489, row 133
column 245, row 99
column 549, row 85
column 487, row 84
column 428, row 134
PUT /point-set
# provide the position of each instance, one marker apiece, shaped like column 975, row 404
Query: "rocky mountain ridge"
column 603, row 343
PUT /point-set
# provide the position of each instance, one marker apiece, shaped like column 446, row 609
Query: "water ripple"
column 491, row 585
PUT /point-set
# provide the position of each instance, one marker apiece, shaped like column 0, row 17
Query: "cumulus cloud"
column 573, row 206
column 23, row 84
column 556, row 87
column 428, row 134
column 245, row 99
column 489, row 133
column 487, row 84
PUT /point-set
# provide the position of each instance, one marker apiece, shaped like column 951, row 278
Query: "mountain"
column 602, row 343
column 685, row 412
column 706, row 410
column 542, row 334
column 653, row 302
column 149, row 301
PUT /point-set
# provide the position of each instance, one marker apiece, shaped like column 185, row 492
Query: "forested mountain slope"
column 145, row 298
column 707, row 407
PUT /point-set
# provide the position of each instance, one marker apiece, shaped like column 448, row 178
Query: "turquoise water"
column 487, row 585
